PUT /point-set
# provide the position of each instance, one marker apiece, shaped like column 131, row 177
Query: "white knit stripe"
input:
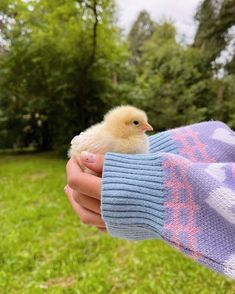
column 224, row 135
column 223, row 201
column 217, row 171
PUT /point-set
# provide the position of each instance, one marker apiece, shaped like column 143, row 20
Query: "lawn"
column 45, row 249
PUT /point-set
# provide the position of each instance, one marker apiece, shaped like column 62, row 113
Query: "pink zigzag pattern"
column 189, row 150
column 175, row 227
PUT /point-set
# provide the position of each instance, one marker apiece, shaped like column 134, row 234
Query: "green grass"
column 45, row 249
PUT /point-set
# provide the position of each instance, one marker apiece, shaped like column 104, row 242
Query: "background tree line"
column 64, row 63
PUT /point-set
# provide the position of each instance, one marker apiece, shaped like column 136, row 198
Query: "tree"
column 175, row 81
column 57, row 69
column 214, row 37
column 141, row 31
column 216, row 18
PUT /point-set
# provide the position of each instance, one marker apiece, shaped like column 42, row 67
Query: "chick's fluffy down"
column 98, row 139
column 122, row 131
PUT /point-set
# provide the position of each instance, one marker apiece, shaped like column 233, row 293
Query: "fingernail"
column 88, row 157
column 65, row 188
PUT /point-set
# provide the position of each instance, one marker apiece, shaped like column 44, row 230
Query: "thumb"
column 92, row 161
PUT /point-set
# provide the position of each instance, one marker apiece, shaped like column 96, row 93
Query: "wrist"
column 132, row 196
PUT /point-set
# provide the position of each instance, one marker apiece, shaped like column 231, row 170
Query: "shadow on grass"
column 33, row 152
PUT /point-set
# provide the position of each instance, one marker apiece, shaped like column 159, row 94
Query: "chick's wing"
column 93, row 140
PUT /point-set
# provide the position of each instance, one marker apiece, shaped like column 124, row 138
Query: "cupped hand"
column 83, row 190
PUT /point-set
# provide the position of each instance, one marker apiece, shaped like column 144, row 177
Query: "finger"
column 87, row 202
column 86, row 216
column 90, row 218
column 102, row 229
column 92, row 161
column 84, row 183
column 69, row 192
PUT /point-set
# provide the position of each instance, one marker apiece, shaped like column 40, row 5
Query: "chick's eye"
column 135, row 122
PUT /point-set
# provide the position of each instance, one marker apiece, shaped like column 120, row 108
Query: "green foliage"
column 226, row 100
column 174, row 81
column 45, row 249
column 57, row 68
column 63, row 64
column 215, row 19
column 141, row 31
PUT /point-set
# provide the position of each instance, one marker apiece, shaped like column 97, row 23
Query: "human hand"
column 83, row 190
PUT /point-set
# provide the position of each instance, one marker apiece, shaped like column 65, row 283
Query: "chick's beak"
column 147, row 127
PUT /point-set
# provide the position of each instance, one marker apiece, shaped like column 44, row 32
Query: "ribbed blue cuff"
column 132, row 196
column 162, row 142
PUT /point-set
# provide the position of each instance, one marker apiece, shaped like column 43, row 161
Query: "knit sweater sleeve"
column 188, row 201
column 202, row 142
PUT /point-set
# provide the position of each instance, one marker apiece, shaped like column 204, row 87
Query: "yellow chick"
column 122, row 131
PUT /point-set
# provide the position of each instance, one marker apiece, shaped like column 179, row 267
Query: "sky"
column 181, row 12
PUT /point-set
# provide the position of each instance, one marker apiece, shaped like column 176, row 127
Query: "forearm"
column 133, row 195
column 187, row 202
column 169, row 197
column 210, row 141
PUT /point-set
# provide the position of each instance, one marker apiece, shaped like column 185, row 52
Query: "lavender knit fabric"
column 182, row 192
